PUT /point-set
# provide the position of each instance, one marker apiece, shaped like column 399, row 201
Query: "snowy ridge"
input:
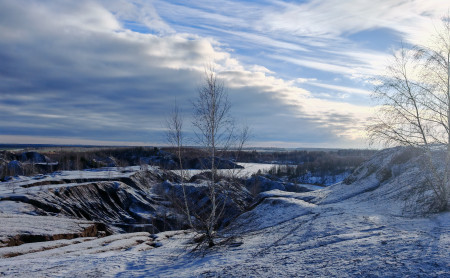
column 121, row 199
column 394, row 181
column 19, row 229
column 81, row 246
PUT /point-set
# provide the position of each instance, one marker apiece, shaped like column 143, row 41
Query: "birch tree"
column 214, row 129
column 175, row 137
column 414, row 98
column 215, row 133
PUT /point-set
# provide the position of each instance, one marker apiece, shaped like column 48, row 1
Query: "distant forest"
column 44, row 159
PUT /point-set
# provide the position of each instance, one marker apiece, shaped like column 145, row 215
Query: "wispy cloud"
column 99, row 71
column 342, row 89
column 334, row 18
column 254, row 38
column 318, row 64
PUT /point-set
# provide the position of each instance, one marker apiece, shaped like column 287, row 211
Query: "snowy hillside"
column 367, row 226
column 114, row 200
column 120, row 198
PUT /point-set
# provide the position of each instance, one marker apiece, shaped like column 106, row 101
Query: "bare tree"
column 215, row 132
column 401, row 118
column 415, row 104
column 175, row 137
column 239, row 140
column 214, row 129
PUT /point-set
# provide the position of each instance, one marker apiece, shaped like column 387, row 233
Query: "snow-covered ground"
column 356, row 229
column 15, row 226
column 325, row 180
column 81, row 246
column 25, row 184
column 284, row 236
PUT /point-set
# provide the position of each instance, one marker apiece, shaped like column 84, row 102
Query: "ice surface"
column 248, row 170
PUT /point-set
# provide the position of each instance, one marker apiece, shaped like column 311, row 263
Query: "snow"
column 359, row 229
column 35, row 247
column 42, row 225
column 247, row 171
column 326, row 180
column 13, row 207
column 82, row 246
column 29, row 225
column 252, row 168
column 311, row 186
column 22, row 184
column 296, row 239
column 33, row 184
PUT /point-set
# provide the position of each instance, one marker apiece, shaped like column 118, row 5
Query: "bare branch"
column 415, row 102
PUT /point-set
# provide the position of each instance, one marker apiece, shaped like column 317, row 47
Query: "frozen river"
column 248, row 170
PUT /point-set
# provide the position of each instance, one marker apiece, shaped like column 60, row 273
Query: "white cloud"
column 333, row 18
column 327, row 66
column 138, row 12
column 304, row 80
column 353, row 64
column 341, row 88
column 264, row 40
column 343, row 119
column 97, row 80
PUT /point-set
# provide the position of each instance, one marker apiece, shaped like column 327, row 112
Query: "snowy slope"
column 299, row 239
column 120, row 198
column 125, row 198
column 394, row 181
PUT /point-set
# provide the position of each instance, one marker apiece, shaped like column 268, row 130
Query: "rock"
column 235, row 199
column 257, row 184
column 139, row 201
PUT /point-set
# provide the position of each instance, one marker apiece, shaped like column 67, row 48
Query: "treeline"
column 47, row 160
column 107, row 157
column 318, row 167
column 302, row 156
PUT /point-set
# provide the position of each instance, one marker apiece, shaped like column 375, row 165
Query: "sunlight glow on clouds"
column 109, row 71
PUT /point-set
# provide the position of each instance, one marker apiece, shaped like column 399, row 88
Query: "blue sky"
column 299, row 73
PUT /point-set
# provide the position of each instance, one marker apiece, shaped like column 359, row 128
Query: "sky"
column 108, row 72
